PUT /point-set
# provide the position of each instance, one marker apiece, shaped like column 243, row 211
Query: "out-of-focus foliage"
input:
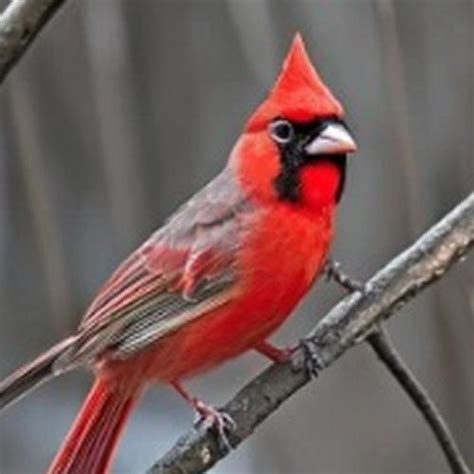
column 122, row 109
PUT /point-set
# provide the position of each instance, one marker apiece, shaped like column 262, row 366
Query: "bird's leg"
column 209, row 417
column 302, row 356
column 280, row 356
column 307, row 357
column 333, row 271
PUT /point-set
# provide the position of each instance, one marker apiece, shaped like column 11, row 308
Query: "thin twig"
column 20, row 22
column 415, row 209
column 347, row 324
column 381, row 343
column 385, row 350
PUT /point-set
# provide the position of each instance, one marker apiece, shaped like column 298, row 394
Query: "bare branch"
column 383, row 347
column 347, row 324
column 21, row 21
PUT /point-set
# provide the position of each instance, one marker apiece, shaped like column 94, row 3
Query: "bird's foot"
column 210, row 418
column 333, row 271
column 306, row 358
column 302, row 356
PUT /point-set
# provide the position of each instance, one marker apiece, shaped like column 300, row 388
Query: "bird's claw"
column 333, row 271
column 210, row 418
column 307, row 359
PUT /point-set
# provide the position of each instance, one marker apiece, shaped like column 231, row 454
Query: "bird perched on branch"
column 218, row 278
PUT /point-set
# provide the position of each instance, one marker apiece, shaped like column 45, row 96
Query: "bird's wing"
column 184, row 270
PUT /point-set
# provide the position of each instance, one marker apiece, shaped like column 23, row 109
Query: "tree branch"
column 20, row 22
column 347, row 324
column 383, row 347
column 380, row 342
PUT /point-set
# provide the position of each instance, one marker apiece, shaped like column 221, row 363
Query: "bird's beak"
column 335, row 139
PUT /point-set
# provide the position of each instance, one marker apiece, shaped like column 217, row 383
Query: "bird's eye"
column 281, row 131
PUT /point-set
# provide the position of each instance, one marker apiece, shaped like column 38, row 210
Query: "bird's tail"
column 90, row 445
column 35, row 373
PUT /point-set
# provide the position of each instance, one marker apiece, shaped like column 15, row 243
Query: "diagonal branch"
column 20, row 22
column 383, row 347
column 347, row 324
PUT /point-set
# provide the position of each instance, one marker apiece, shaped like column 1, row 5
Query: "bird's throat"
column 321, row 183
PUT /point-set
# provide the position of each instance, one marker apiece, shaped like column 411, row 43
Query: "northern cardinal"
column 218, row 278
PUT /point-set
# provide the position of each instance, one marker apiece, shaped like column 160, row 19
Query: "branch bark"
column 20, row 22
column 386, row 352
column 348, row 323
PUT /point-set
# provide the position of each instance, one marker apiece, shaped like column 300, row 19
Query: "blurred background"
column 122, row 109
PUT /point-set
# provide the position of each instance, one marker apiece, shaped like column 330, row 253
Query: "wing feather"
column 181, row 272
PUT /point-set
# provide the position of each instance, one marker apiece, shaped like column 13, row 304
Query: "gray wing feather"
column 209, row 220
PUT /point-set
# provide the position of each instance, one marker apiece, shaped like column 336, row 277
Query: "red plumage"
column 91, row 442
column 299, row 93
column 219, row 277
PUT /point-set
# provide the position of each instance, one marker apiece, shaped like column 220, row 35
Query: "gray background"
column 122, row 109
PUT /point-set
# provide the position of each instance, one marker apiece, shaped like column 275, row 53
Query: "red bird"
column 218, row 278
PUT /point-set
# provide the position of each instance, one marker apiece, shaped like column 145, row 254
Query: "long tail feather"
column 29, row 376
column 91, row 443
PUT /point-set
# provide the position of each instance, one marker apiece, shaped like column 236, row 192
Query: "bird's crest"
column 299, row 93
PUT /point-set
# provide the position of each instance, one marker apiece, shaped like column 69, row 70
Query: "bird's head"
column 294, row 146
